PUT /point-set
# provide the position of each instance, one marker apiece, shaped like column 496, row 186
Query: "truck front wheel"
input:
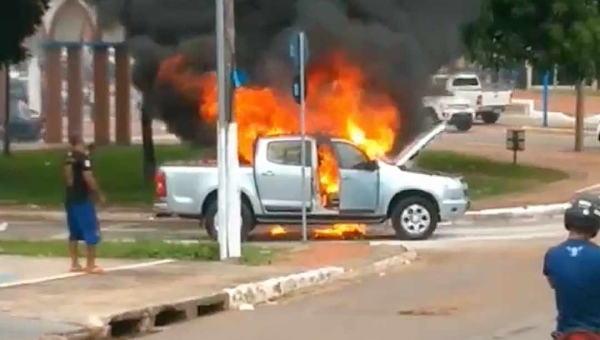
column 490, row 117
column 414, row 218
column 210, row 218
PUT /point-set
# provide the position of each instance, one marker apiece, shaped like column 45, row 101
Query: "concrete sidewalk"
column 132, row 301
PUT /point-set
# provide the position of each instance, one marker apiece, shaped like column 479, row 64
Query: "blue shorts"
column 82, row 222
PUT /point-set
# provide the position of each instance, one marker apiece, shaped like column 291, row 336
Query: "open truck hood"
column 418, row 144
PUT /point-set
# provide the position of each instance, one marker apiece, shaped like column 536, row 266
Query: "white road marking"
column 111, row 227
column 466, row 231
column 445, row 242
column 70, row 275
column 454, row 236
column 591, row 187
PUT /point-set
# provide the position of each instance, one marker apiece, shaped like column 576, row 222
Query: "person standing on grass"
column 81, row 193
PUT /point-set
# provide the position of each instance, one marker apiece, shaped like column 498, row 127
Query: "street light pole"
column 6, row 145
column 229, row 213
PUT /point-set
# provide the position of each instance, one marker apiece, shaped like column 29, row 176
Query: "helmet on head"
column 583, row 216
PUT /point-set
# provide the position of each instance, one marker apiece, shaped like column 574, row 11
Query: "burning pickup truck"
column 345, row 186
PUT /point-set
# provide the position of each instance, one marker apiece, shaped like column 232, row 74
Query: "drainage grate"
column 124, row 327
column 169, row 316
column 205, row 310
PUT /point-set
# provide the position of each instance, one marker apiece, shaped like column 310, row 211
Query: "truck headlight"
column 455, row 194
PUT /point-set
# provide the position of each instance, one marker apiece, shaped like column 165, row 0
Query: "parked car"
column 450, row 108
column 371, row 190
column 489, row 104
column 25, row 124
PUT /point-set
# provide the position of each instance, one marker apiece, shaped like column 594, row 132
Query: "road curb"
column 531, row 211
column 154, row 318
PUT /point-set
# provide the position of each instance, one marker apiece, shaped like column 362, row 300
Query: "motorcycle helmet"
column 583, row 215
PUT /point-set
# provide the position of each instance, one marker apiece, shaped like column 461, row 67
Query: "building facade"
column 68, row 33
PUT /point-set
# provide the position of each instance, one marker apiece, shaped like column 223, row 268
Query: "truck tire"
column 210, row 218
column 464, row 123
column 490, row 117
column 414, row 218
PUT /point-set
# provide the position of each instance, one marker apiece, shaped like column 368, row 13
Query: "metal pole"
column 6, row 109
column 222, row 215
column 545, row 80
column 233, row 198
column 302, row 37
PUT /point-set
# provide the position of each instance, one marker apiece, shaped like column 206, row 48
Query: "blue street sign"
column 294, row 49
column 296, row 93
column 239, row 78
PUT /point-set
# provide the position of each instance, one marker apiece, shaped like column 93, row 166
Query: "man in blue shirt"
column 573, row 271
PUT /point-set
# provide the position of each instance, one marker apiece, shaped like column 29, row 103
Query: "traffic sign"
column 239, row 78
column 297, row 90
column 294, row 49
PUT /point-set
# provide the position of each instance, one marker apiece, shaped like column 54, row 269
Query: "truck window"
column 288, row 153
column 472, row 81
column 351, row 157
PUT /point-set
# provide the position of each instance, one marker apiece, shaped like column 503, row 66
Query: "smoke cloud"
column 398, row 43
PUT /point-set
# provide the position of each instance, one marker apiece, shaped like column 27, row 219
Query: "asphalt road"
column 472, row 280
column 483, row 292
column 15, row 328
column 377, row 234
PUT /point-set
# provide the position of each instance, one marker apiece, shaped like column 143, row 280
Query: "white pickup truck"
column 449, row 108
column 489, row 104
column 371, row 191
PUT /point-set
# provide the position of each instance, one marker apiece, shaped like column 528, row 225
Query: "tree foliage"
column 20, row 19
column 543, row 32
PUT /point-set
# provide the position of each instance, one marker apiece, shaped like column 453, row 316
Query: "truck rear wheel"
column 414, row 218
column 210, row 217
column 463, row 123
column 490, row 117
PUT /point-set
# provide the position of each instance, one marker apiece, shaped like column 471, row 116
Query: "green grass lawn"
column 486, row 177
column 207, row 251
column 34, row 177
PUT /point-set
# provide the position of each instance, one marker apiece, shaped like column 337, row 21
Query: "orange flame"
column 278, row 230
column 327, row 171
column 335, row 231
column 341, row 230
column 338, row 104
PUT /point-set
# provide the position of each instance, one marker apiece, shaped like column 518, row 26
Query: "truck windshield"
column 465, row 81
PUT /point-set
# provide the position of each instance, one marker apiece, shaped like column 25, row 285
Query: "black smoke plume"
column 398, row 43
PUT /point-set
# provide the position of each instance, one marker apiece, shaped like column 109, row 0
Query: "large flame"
column 339, row 104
